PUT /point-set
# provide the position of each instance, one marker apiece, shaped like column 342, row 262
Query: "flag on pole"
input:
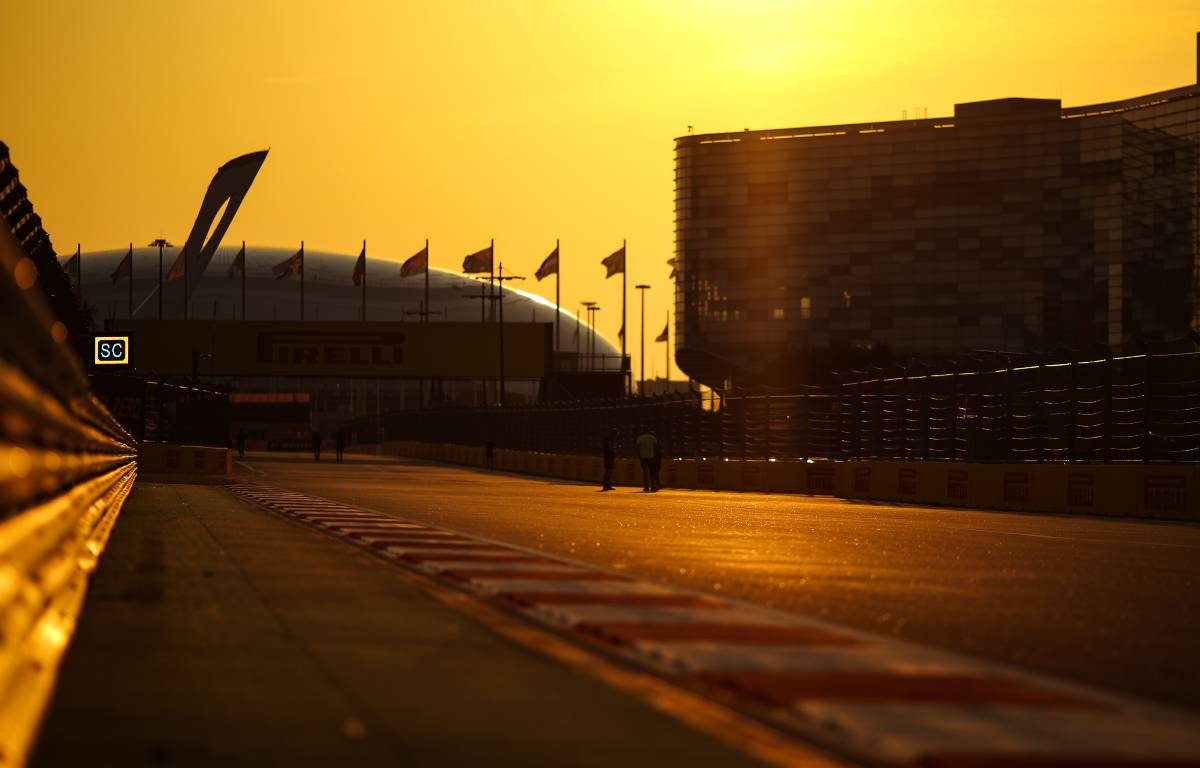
column 615, row 263
column 621, row 333
column 72, row 264
column 292, row 265
column 177, row 269
column 125, row 268
column 480, row 261
column 549, row 266
column 360, row 267
column 419, row 263
column 664, row 335
column 674, row 269
column 238, row 264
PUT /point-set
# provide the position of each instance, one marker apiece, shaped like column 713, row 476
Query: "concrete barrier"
column 168, row 459
column 1159, row 491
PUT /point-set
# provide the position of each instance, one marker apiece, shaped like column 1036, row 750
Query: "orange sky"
column 525, row 120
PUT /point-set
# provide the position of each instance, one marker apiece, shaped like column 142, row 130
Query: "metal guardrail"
column 66, row 466
column 1134, row 408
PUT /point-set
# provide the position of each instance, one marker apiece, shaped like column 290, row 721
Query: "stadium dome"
column 329, row 292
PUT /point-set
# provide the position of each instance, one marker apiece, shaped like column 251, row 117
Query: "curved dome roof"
column 329, row 291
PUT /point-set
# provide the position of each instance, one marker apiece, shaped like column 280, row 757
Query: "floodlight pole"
column 161, row 243
column 500, row 278
column 642, row 386
column 589, row 305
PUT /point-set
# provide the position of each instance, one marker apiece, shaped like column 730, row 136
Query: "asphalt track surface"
column 1108, row 602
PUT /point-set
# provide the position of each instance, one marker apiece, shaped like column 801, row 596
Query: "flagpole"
column 624, row 330
column 185, row 281
column 302, row 280
column 160, row 243
column 364, row 285
column 668, row 335
column 492, row 279
column 79, row 273
column 557, row 294
column 131, row 281
column 425, row 319
column 243, row 281
column 501, row 393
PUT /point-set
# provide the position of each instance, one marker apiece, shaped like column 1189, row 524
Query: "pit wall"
column 1163, row 491
column 168, row 459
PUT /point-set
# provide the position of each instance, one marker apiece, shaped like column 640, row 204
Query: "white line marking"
column 241, row 463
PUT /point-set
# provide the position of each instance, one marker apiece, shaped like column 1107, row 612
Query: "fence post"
column 877, row 420
column 721, row 424
column 1043, row 409
column 1108, row 410
column 1146, row 410
column 805, row 406
column 1008, row 411
column 743, row 422
column 926, row 416
column 857, row 443
column 767, row 428
column 954, row 413
column 1073, row 426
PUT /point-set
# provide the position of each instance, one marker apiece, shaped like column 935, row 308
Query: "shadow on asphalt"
column 306, row 458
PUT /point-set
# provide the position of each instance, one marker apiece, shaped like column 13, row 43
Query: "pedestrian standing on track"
column 339, row 442
column 610, row 459
column 647, row 445
column 316, row 437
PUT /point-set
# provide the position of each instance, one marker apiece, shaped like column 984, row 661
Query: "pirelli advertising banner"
column 337, row 349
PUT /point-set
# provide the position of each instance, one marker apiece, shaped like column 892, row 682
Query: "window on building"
column 767, row 193
column 778, row 313
column 805, row 307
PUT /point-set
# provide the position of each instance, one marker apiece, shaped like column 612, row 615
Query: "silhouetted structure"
column 1015, row 225
column 1133, row 408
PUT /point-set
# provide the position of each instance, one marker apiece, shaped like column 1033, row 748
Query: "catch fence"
column 1130, row 408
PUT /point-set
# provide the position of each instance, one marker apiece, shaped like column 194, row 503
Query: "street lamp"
column 643, row 289
column 161, row 243
column 500, row 278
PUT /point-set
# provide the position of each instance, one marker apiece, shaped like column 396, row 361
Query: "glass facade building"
column 1015, row 226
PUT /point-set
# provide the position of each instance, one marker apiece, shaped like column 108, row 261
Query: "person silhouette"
column 610, row 459
column 647, row 446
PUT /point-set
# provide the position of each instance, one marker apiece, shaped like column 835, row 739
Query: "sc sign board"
column 112, row 350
